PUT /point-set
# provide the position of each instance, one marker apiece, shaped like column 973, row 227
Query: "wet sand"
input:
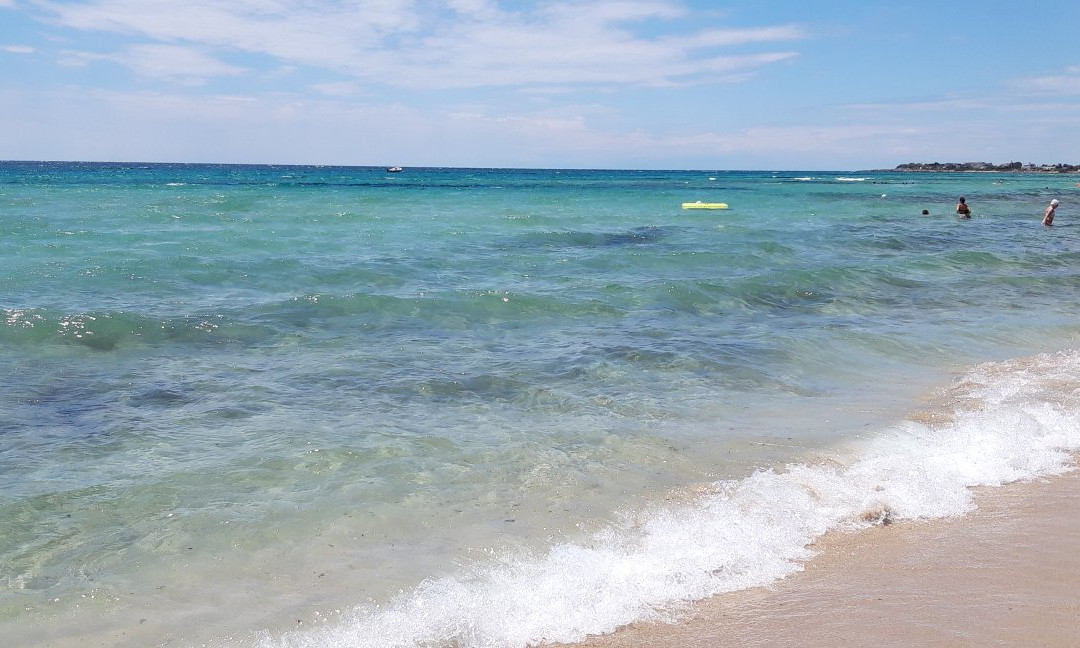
column 1005, row 575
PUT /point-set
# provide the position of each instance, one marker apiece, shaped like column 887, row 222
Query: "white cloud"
column 1066, row 83
column 176, row 63
column 733, row 37
column 1046, row 94
column 337, row 88
column 72, row 58
column 940, row 105
column 587, row 45
column 18, row 49
column 449, row 44
column 324, row 34
column 183, row 65
column 818, row 138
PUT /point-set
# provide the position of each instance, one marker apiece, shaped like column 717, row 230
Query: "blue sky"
column 674, row 84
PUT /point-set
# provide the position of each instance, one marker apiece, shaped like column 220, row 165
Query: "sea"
column 313, row 406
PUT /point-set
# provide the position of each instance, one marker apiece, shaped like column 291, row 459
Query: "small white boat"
column 394, row 169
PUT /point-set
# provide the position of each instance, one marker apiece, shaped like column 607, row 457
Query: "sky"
column 636, row 84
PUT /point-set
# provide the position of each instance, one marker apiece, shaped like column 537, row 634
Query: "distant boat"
column 394, row 169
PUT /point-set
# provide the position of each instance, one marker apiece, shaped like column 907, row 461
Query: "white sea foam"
column 845, row 179
column 1006, row 422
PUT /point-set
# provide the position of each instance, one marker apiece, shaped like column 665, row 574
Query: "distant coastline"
column 1011, row 167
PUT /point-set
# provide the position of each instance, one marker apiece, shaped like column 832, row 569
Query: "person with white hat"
column 1048, row 217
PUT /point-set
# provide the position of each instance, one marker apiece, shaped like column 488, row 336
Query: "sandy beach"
column 1005, row 575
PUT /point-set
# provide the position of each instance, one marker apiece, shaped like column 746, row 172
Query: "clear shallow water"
column 494, row 407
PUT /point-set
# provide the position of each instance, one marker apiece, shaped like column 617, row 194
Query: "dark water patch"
column 160, row 398
column 901, row 282
column 320, row 315
column 888, row 243
column 576, row 239
column 771, row 248
column 62, row 413
column 482, row 387
column 977, row 260
column 67, row 404
column 802, row 294
column 236, row 413
column 739, row 362
column 453, row 309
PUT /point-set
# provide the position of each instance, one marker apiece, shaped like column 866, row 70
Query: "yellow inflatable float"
column 704, row 205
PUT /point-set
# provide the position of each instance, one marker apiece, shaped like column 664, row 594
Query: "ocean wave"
column 110, row 330
column 1002, row 422
column 254, row 324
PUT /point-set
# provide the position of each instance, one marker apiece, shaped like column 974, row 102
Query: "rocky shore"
column 1010, row 167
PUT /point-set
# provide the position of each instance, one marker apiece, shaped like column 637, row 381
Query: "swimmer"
column 962, row 209
column 1048, row 217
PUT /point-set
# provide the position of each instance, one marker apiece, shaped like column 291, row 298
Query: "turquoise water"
column 241, row 401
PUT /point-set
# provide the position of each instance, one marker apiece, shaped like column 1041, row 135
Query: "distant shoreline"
column 986, row 167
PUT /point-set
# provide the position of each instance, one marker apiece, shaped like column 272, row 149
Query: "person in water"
column 926, row 212
column 962, row 209
column 1048, row 217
